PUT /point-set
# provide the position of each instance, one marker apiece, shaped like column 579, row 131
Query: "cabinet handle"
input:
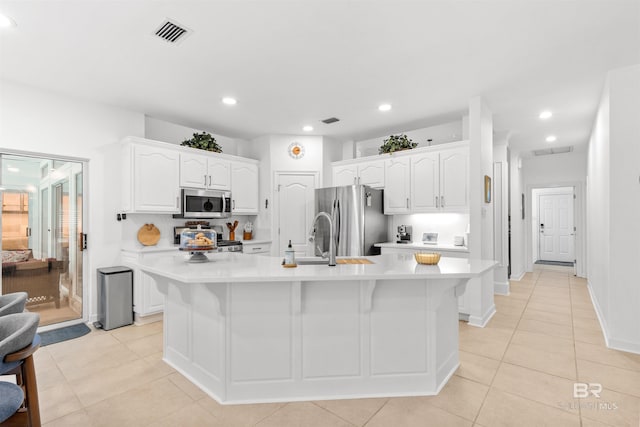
column 177, row 201
column 205, row 180
column 407, row 203
column 437, row 202
column 442, row 201
column 355, row 180
column 233, row 206
column 209, row 180
column 256, row 249
column 358, row 180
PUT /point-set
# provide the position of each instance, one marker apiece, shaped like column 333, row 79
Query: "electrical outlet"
column 124, row 216
column 119, row 217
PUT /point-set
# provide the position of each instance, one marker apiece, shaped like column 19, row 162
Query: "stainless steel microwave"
column 205, row 203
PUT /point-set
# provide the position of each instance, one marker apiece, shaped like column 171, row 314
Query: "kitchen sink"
column 312, row 261
column 323, row 261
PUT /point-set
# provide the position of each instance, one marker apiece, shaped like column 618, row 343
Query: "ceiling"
column 293, row 63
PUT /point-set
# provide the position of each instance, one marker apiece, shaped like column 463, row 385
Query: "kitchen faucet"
column 332, row 243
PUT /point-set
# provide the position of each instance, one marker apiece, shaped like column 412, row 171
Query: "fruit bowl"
column 428, row 258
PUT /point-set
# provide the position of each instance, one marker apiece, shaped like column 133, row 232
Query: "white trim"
column 613, row 343
column 517, row 278
column 59, row 325
column 481, row 322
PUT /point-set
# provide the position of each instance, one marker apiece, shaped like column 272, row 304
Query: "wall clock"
column 296, row 150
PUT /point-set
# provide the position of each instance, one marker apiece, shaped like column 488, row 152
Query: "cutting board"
column 148, row 235
column 353, row 261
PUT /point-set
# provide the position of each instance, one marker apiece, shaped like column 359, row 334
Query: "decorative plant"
column 203, row 141
column 396, row 143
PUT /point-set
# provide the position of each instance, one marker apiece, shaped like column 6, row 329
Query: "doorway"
column 553, row 225
column 41, row 223
column 295, row 194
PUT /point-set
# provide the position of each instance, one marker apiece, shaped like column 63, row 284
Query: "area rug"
column 63, row 334
column 564, row 264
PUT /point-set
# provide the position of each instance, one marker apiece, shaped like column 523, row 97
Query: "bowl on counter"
column 427, row 258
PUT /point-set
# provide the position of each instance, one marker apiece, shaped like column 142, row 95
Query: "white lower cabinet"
column 251, row 248
column 148, row 302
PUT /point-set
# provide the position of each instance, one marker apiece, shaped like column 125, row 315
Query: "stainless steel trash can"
column 115, row 297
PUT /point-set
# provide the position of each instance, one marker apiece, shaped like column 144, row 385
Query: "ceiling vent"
column 171, row 32
column 330, row 120
column 556, row 150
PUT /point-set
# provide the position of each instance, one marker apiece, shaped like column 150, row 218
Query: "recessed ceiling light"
column 551, row 138
column 545, row 114
column 384, row 107
column 307, row 128
column 13, row 169
column 229, row 101
column 6, row 22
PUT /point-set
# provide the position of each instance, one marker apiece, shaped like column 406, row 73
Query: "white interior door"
column 295, row 210
column 556, row 228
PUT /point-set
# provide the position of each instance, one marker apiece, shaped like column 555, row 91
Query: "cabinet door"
column 397, row 186
column 219, row 174
column 454, row 179
column 156, row 176
column 152, row 300
column 244, row 188
column 371, row 173
column 345, row 175
column 193, row 170
column 425, row 181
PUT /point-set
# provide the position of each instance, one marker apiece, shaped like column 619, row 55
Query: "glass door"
column 41, row 225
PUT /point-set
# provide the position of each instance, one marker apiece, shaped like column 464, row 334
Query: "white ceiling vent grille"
column 172, row 32
column 555, row 150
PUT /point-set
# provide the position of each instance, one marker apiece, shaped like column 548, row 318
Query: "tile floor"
column 519, row 370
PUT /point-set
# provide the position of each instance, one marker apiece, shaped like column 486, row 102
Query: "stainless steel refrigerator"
column 358, row 218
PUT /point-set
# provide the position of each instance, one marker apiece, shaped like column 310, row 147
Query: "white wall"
column 49, row 124
column 332, row 151
column 440, row 134
column 556, row 170
column 613, row 206
column 164, row 131
column 516, row 210
column 480, row 213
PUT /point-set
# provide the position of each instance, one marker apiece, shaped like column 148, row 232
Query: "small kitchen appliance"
column 404, row 234
column 430, row 238
column 205, row 204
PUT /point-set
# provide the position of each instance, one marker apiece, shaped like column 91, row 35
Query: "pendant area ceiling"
column 295, row 63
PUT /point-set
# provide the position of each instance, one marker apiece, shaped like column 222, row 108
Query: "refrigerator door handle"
column 336, row 219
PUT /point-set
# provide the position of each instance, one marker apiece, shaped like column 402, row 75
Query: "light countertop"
column 232, row 267
column 422, row 246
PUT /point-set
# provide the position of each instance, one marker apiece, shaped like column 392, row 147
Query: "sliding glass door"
column 41, row 229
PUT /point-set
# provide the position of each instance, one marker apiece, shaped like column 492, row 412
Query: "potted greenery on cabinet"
column 396, row 143
column 203, row 141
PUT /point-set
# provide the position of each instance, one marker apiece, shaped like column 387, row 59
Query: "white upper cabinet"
column 219, row 172
column 204, row 171
column 454, row 179
column 345, row 175
column 424, row 182
column 397, row 188
column 150, row 179
column 430, row 179
column 193, row 170
column 371, row 174
column 244, row 188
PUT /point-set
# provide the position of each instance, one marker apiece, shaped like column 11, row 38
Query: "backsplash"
column 165, row 224
column 447, row 225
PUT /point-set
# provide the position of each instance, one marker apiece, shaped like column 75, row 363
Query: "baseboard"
column 501, row 288
column 518, row 278
column 613, row 343
column 143, row 320
column 481, row 322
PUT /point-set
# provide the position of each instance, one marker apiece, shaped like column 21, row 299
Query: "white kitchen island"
column 245, row 329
